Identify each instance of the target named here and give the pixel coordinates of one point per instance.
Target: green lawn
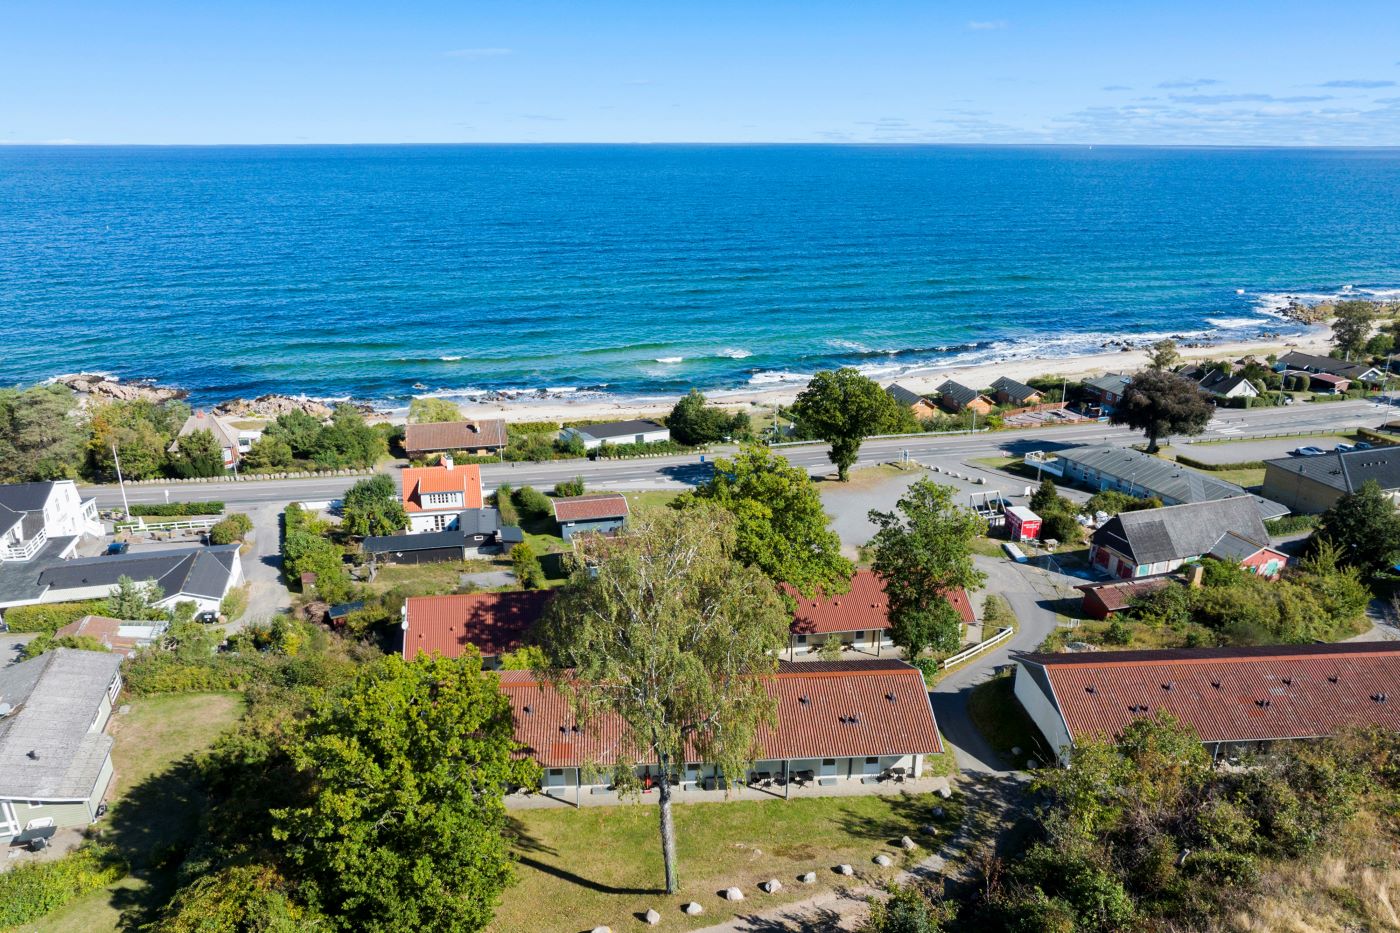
(649, 500)
(997, 714)
(602, 865)
(155, 803)
(429, 579)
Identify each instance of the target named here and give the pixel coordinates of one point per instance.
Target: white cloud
(1182, 83)
(1357, 83)
(983, 25)
(478, 53)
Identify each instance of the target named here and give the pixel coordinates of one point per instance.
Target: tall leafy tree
(780, 526)
(1161, 404)
(132, 600)
(373, 507)
(298, 430)
(268, 453)
(41, 434)
(1363, 527)
(922, 551)
(1351, 328)
(405, 826)
(198, 454)
(1163, 355)
(693, 422)
(664, 630)
(842, 407)
(140, 432)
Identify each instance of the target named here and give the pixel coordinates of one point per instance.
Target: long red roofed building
(1236, 699)
(858, 617)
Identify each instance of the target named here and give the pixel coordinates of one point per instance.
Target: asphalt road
(684, 470)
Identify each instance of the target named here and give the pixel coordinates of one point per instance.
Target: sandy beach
(556, 408)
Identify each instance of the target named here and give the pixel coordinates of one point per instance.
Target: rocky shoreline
(101, 387)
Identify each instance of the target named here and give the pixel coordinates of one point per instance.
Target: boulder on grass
(772, 886)
(884, 861)
(733, 894)
(693, 909)
(602, 930)
(906, 843)
(945, 792)
(652, 917)
(845, 870)
(809, 878)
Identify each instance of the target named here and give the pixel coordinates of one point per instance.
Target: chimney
(1195, 575)
(447, 461)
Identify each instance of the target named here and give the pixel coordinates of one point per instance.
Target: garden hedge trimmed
(177, 509)
(50, 617)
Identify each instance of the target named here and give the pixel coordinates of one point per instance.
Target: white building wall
(1042, 711)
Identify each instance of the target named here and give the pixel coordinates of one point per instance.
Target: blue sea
(379, 273)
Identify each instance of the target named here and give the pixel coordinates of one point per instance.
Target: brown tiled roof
(417, 481)
(1116, 596)
(106, 630)
(584, 508)
(825, 710)
(454, 435)
(1230, 694)
(864, 607)
(493, 622)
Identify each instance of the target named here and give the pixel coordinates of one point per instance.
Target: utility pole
(126, 507)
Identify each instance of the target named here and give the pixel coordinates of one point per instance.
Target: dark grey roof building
(1314, 484)
(1011, 392)
(1180, 532)
(1104, 466)
(203, 575)
(474, 532)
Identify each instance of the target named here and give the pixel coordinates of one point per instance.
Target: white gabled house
(33, 514)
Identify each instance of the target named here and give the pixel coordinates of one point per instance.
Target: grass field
(154, 802)
(602, 865)
(430, 579)
(998, 715)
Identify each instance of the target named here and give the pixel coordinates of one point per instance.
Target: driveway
(1031, 593)
(262, 567)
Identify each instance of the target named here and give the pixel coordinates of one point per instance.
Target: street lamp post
(126, 507)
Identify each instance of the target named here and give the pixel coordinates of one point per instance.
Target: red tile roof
(493, 622)
(851, 708)
(586, 508)
(454, 435)
(1117, 596)
(864, 607)
(418, 481)
(1230, 694)
(106, 630)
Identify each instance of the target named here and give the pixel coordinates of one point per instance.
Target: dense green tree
(529, 573)
(132, 600)
(569, 487)
(306, 551)
(842, 407)
(405, 827)
(198, 454)
(250, 898)
(427, 410)
(503, 499)
(230, 528)
(298, 430)
(373, 507)
(1364, 527)
(780, 526)
(1161, 404)
(693, 423)
(140, 431)
(533, 504)
(1047, 498)
(1164, 355)
(1351, 326)
(41, 434)
(921, 552)
(46, 642)
(910, 908)
(266, 454)
(348, 441)
(673, 636)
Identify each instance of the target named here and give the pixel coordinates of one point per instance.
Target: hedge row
(153, 672)
(1291, 524)
(1376, 437)
(1217, 467)
(50, 617)
(28, 892)
(176, 509)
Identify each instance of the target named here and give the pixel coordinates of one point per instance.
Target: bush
(532, 503)
(996, 612)
(504, 504)
(46, 642)
(614, 451)
(1217, 467)
(51, 617)
(233, 528)
(569, 487)
(28, 892)
(1062, 527)
(528, 571)
(234, 603)
(1111, 502)
(177, 509)
(1291, 524)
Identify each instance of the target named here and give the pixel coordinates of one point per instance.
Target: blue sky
(1218, 72)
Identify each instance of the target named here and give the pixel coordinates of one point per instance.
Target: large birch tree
(664, 630)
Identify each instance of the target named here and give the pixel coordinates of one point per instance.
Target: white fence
(1002, 635)
(184, 524)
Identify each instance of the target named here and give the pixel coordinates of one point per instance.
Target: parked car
(1308, 452)
(207, 617)
(117, 547)
(1344, 448)
(1361, 445)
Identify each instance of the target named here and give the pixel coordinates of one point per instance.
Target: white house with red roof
(435, 497)
(858, 618)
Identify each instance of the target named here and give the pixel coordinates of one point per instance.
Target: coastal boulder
(106, 388)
